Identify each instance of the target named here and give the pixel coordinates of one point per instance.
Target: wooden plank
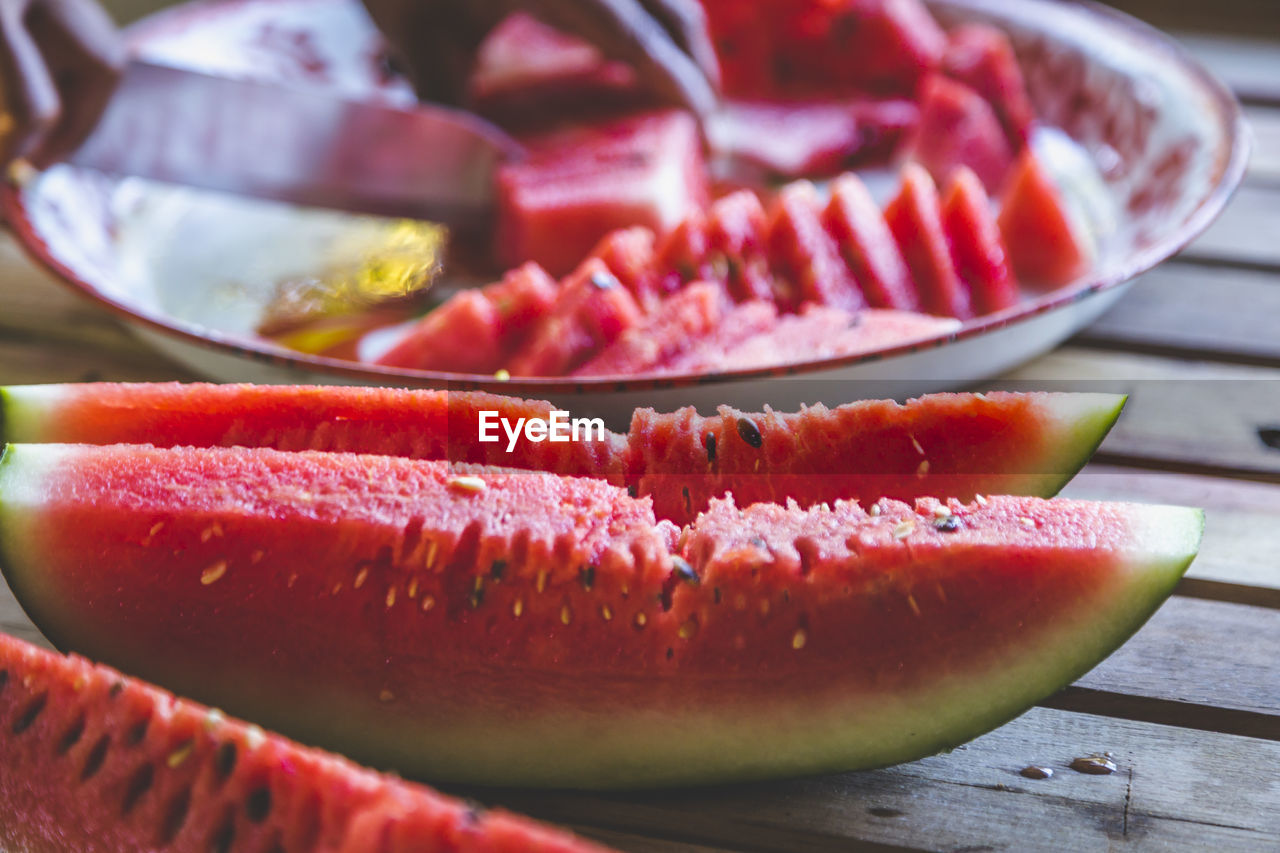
(1192, 416)
(1196, 311)
(25, 363)
(1247, 17)
(1207, 655)
(1168, 789)
(1264, 164)
(1246, 234)
(1250, 66)
(1237, 560)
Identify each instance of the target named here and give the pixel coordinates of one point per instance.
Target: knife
(306, 146)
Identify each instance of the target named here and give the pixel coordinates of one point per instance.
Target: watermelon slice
(490, 626)
(591, 310)
(1046, 245)
(868, 247)
(820, 332)
(959, 128)
(915, 219)
(992, 443)
(460, 336)
(799, 139)
(804, 256)
(982, 58)
(97, 762)
(584, 181)
(691, 314)
(976, 245)
(745, 321)
(735, 240)
(629, 255)
(466, 335)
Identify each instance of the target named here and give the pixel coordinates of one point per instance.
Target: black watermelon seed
(28, 717)
(140, 783)
(633, 490)
(948, 524)
(680, 568)
(750, 433)
(224, 837)
(116, 689)
(709, 442)
(258, 804)
(587, 575)
(688, 501)
(496, 570)
(670, 653)
(97, 755)
(71, 736)
(603, 280)
(4, 678)
(472, 814)
(224, 760)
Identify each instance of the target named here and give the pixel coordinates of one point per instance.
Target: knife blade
(305, 146)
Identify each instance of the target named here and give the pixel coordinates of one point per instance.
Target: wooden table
(1189, 709)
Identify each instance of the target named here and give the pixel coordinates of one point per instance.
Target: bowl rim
(1230, 174)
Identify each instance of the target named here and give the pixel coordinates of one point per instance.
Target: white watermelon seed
(213, 573)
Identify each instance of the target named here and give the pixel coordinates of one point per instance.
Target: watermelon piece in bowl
(982, 57)
(1047, 245)
(505, 627)
(98, 762)
(977, 246)
(868, 247)
(804, 257)
(958, 127)
(915, 219)
(583, 181)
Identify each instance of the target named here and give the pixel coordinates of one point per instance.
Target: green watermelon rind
(1092, 416)
(820, 730)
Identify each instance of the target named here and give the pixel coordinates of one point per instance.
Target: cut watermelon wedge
(804, 256)
(491, 626)
(973, 443)
(97, 762)
(958, 127)
(914, 216)
(976, 244)
(690, 315)
(1047, 246)
(868, 247)
(982, 57)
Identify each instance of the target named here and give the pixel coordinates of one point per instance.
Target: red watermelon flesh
(820, 332)
(630, 255)
(590, 312)
(584, 181)
(464, 335)
(867, 246)
(799, 139)
(947, 445)
(460, 336)
(679, 320)
(1011, 443)
(522, 628)
(683, 254)
(526, 72)
(97, 762)
(735, 239)
(707, 355)
(804, 256)
(1047, 247)
(959, 128)
(981, 57)
(976, 245)
(915, 220)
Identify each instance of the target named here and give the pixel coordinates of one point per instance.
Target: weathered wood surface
(1189, 708)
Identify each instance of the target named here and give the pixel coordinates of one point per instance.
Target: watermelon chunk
(991, 443)
(1046, 245)
(97, 762)
(522, 628)
(981, 57)
(680, 319)
(959, 128)
(591, 310)
(526, 71)
(735, 240)
(629, 254)
(466, 335)
(819, 332)
(915, 219)
(868, 247)
(584, 181)
(460, 336)
(800, 139)
(976, 245)
(708, 354)
(804, 256)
